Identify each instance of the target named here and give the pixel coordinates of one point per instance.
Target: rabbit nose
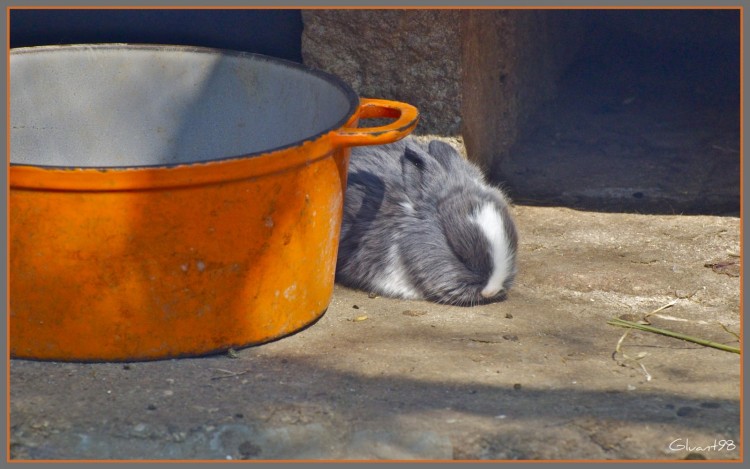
(490, 292)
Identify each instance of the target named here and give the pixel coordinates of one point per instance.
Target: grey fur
(406, 210)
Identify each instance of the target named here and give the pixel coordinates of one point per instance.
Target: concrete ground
(625, 203)
(534, 377)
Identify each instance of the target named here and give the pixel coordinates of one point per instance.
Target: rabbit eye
(472, 250)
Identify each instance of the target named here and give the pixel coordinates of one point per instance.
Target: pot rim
(347, 90)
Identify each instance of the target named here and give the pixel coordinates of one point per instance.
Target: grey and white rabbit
(422, 223)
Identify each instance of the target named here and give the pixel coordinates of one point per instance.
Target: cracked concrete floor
(533, 377)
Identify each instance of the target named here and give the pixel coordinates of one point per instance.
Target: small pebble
(508, 316)
(682, 294)
(517, 386)
(360, 318)
(372, 295)
(355, 306)
(151, 407)
(695, 456)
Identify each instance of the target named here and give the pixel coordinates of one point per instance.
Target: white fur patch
(408, 208)
(394, 280)
(491, 223)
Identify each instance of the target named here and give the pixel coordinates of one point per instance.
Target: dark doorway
(647, 119)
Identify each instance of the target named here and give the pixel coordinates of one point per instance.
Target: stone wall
(475, 75)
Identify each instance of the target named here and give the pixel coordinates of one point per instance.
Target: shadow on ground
(153, 409)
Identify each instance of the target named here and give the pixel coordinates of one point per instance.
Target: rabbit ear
(444, 153)
(416, 167)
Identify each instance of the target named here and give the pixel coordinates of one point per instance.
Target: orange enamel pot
(174, 201)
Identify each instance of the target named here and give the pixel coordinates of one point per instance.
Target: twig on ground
(676, 335)
(724, 149)
(228, 374)
(662, 308)
(644, 325)
(737, 336)
(628, 357)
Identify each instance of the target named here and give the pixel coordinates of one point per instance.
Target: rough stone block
(475, 75)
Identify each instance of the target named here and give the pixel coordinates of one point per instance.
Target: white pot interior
(124, 106)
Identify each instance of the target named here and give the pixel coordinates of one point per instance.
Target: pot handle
(406, 117)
